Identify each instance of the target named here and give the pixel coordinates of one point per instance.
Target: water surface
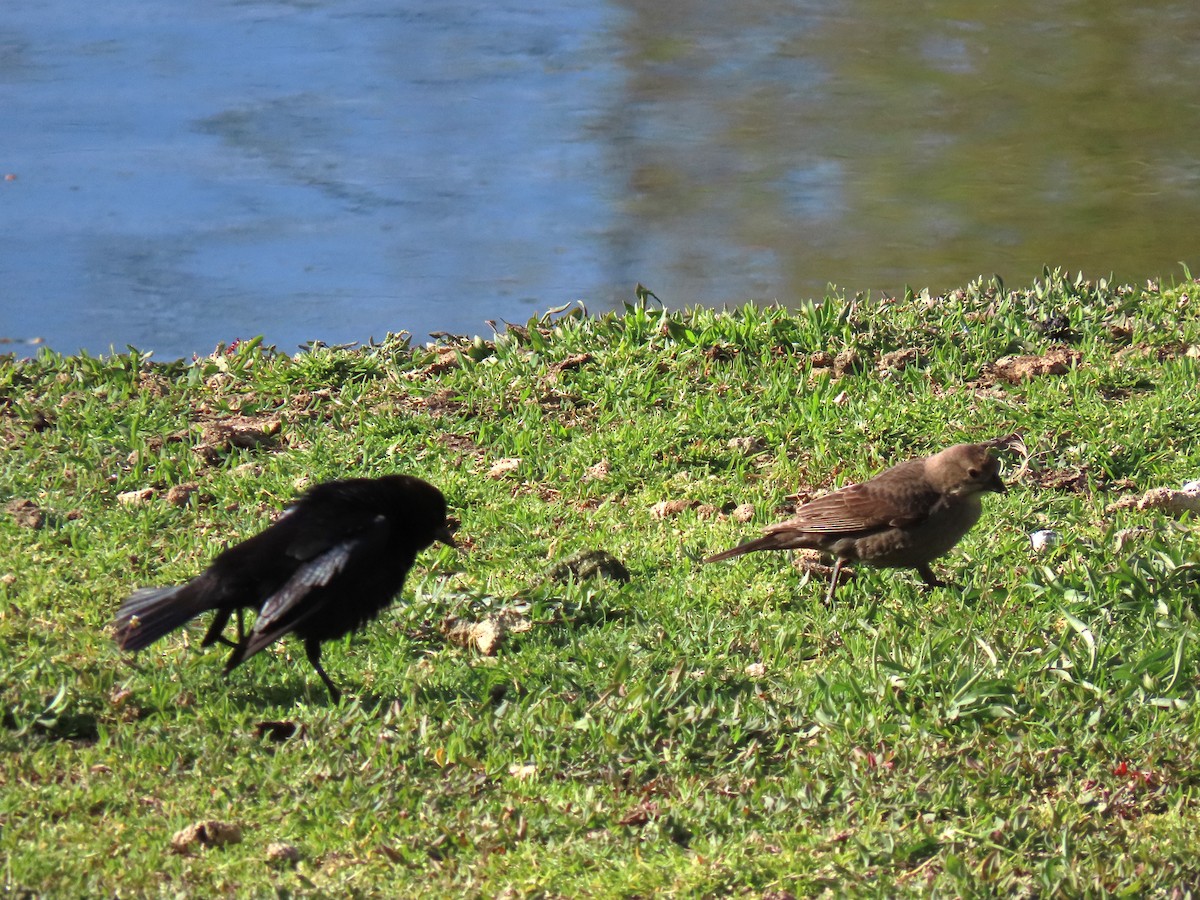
(183, 174)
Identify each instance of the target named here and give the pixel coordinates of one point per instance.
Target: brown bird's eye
(973, 472)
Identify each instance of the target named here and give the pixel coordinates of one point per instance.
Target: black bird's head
(422, 509)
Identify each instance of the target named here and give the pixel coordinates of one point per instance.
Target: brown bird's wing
(895, 499)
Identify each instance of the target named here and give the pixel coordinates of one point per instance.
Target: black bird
(329, 565)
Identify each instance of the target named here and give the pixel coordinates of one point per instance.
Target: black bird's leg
(833, 582)
(928, 577)
(313, 650)
(215, 635)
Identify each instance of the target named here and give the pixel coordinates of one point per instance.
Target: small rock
(756, 670)
(210, 833)
(136, 498)
(279, 852)
(743, 513)
(1043, 540)
(706, 511)
(180, 494)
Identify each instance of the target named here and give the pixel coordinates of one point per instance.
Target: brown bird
(902, 518)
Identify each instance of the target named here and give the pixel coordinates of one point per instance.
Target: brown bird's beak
(996, 485)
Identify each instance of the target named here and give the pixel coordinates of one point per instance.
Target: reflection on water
(335, 171)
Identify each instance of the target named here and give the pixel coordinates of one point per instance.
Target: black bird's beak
(445, 534)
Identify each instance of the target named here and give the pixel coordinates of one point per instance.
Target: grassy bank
(699, 730)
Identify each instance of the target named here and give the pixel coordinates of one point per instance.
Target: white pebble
(1043, 540)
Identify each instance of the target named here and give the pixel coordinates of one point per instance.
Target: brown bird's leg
(312, 648)
(928, 577)
(833, 582)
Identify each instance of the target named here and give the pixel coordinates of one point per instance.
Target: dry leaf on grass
(1166, 499)
(487, 634)
(506, 466)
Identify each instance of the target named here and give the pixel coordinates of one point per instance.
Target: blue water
(183, 174)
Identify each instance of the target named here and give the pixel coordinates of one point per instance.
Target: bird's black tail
(149, 613)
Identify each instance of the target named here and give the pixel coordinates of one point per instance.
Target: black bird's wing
(302, 597)
(317, 572)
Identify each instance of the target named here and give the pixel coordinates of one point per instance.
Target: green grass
(1031, 730)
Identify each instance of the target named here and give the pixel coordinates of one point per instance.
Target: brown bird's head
(965, 470)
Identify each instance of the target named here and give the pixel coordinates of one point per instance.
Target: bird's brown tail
(766, 542)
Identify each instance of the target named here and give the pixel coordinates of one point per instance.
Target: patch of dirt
(462, 445)
(209, 833)
(665, 509)
(742, 513)
(181, 494)
(848, 362)
(220, 436)
(1071, 481)
(822, 359)
(588, 564)
(814, 563)
(1017, 369)
(447, 359)
(278, 852)
(597, 472)
(898, 360)
(153, 384)
(26, 513)
(747, 446)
